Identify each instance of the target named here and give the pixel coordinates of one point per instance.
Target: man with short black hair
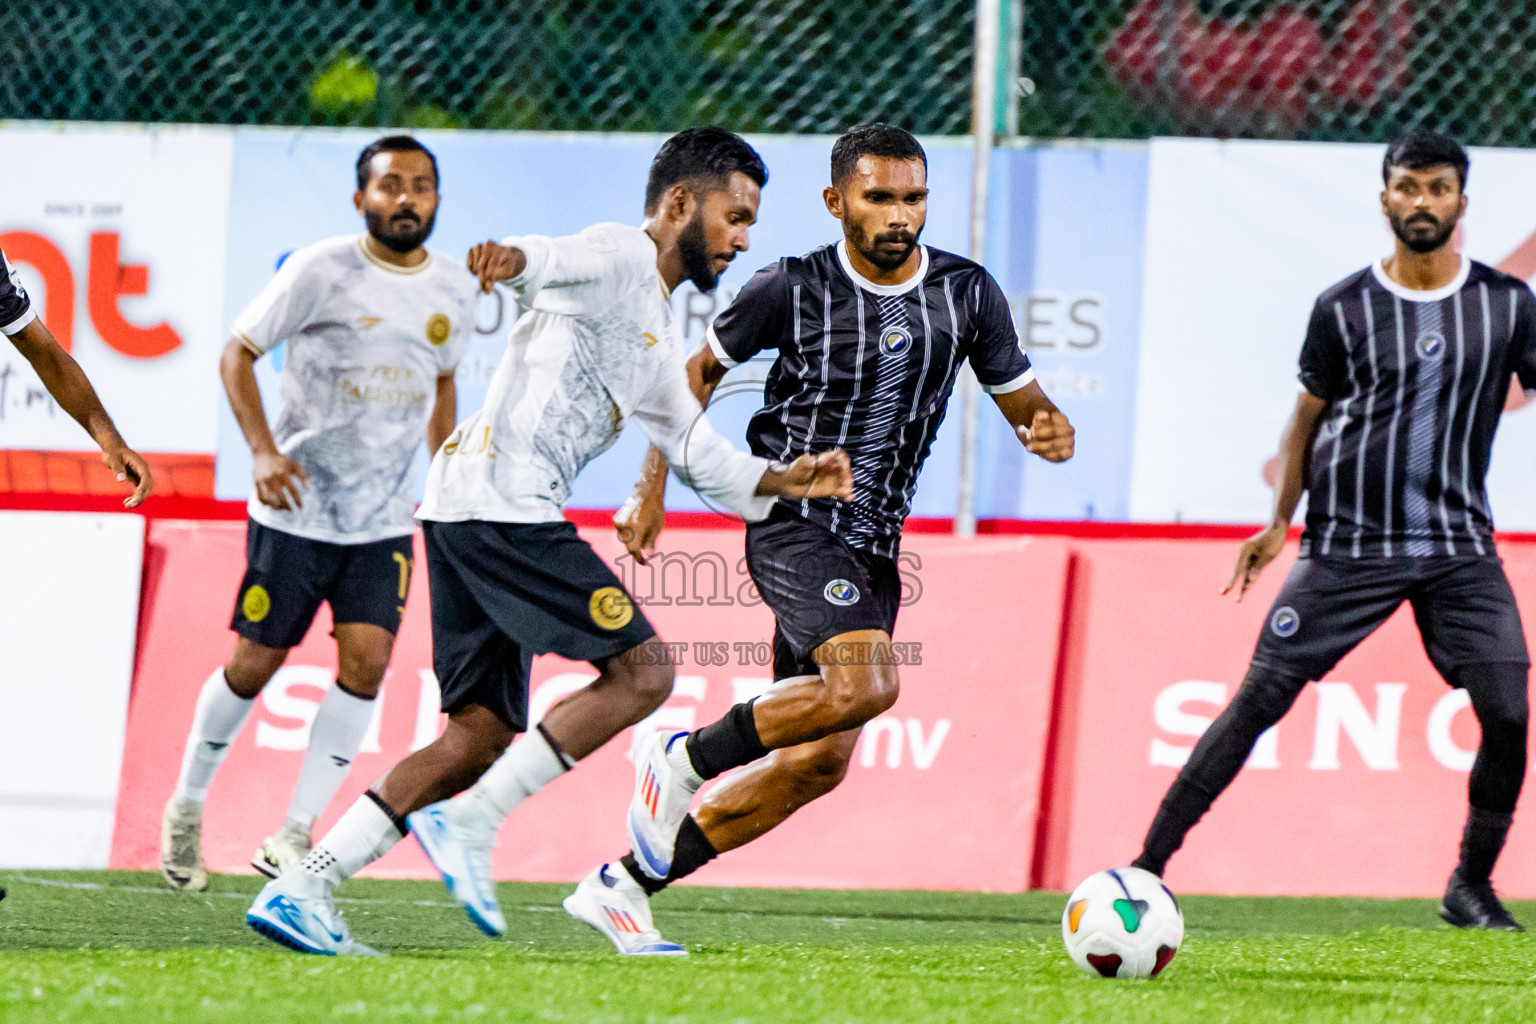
(1403, 372)
(870, 334)
(375, 325)
(510, 578)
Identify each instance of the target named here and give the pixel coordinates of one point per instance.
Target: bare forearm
(444, 415)
(67, 383)
(237, 370)
(704, 375)
(1295, 443)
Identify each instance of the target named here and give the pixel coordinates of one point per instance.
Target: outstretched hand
(1257, 552)
(129, 466)
(1049, 435)
(824, 475)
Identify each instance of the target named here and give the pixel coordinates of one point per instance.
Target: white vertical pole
(983, 135)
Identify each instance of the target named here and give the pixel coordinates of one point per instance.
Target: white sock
(363, 835)
(528, 766)
(219, 717)
(340, 725)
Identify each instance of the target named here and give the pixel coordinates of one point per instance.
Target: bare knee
(251, 667)
(854, 697)
(647, 673)
(362, 656)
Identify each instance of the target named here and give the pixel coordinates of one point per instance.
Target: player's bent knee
(853, 700)
(652, 684)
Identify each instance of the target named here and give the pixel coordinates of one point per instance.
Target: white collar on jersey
(1417, 295)
(882, 289)
(362, 244)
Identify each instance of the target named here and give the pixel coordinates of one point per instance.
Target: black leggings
(1498, 693)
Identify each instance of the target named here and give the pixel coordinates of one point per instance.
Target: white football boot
(613, 903)
(283, 849)
(181, 846)
(296, 911)
(459, 845)
(664, 786)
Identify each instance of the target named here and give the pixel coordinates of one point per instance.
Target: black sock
(1481, 842)
(691, 852)
(729, 743)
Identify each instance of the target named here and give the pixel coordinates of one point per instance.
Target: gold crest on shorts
(438, 328)
(611, 608)
(256, 603)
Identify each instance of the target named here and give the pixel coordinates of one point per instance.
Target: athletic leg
(337, 732)
(297, 909)
(1499, 700)
(1470, 624)
(1262, 700)
(802, 709)
(752, 802)
(629, 687)
(223, 706)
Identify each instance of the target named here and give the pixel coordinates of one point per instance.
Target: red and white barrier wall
(1054, 684)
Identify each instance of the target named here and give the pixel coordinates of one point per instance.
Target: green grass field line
(98, 946)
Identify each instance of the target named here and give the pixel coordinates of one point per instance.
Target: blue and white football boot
(459, 845)
(664, 786)
(613, 903)
(296, 910)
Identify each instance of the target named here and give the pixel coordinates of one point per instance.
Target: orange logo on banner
(107, 282)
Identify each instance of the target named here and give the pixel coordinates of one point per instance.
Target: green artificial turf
(98, 946)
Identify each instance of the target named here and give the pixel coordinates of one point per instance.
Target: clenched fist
(1049, 435)
(492, 262)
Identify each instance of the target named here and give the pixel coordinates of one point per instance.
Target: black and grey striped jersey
(1415, 382)
(15, 308)
(868, 368)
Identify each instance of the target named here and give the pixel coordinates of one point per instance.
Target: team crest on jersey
(611, 608)
(438, 328)
(895, 340)
(1432, 345)
(1285, 622)
(841, 593)
(256, 603)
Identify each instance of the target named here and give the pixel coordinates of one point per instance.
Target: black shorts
(1464, 608)
(818, 585)
(287, 576)
(504, 592)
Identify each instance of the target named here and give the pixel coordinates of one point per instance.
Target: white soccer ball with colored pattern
(1123, 923)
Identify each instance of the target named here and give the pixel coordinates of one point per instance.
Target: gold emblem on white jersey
(438, 328)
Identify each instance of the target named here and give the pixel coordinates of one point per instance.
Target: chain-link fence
(1320, 69)
(1312, 69)
(609, 65)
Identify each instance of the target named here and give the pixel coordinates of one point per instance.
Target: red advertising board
(942, 793)
(1360, 791)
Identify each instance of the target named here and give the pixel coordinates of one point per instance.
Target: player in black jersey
(1405, 368)
(870, 334)
(67, 383)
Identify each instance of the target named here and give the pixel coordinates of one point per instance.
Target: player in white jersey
(510, 579)
(375, 326)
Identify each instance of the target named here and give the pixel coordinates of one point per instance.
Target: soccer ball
(1123, 923)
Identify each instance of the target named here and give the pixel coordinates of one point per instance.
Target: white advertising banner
(1241, 237)
(66, 664)
(119, 234)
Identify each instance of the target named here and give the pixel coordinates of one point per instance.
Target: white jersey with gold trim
(366, 343)
(595, 346)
